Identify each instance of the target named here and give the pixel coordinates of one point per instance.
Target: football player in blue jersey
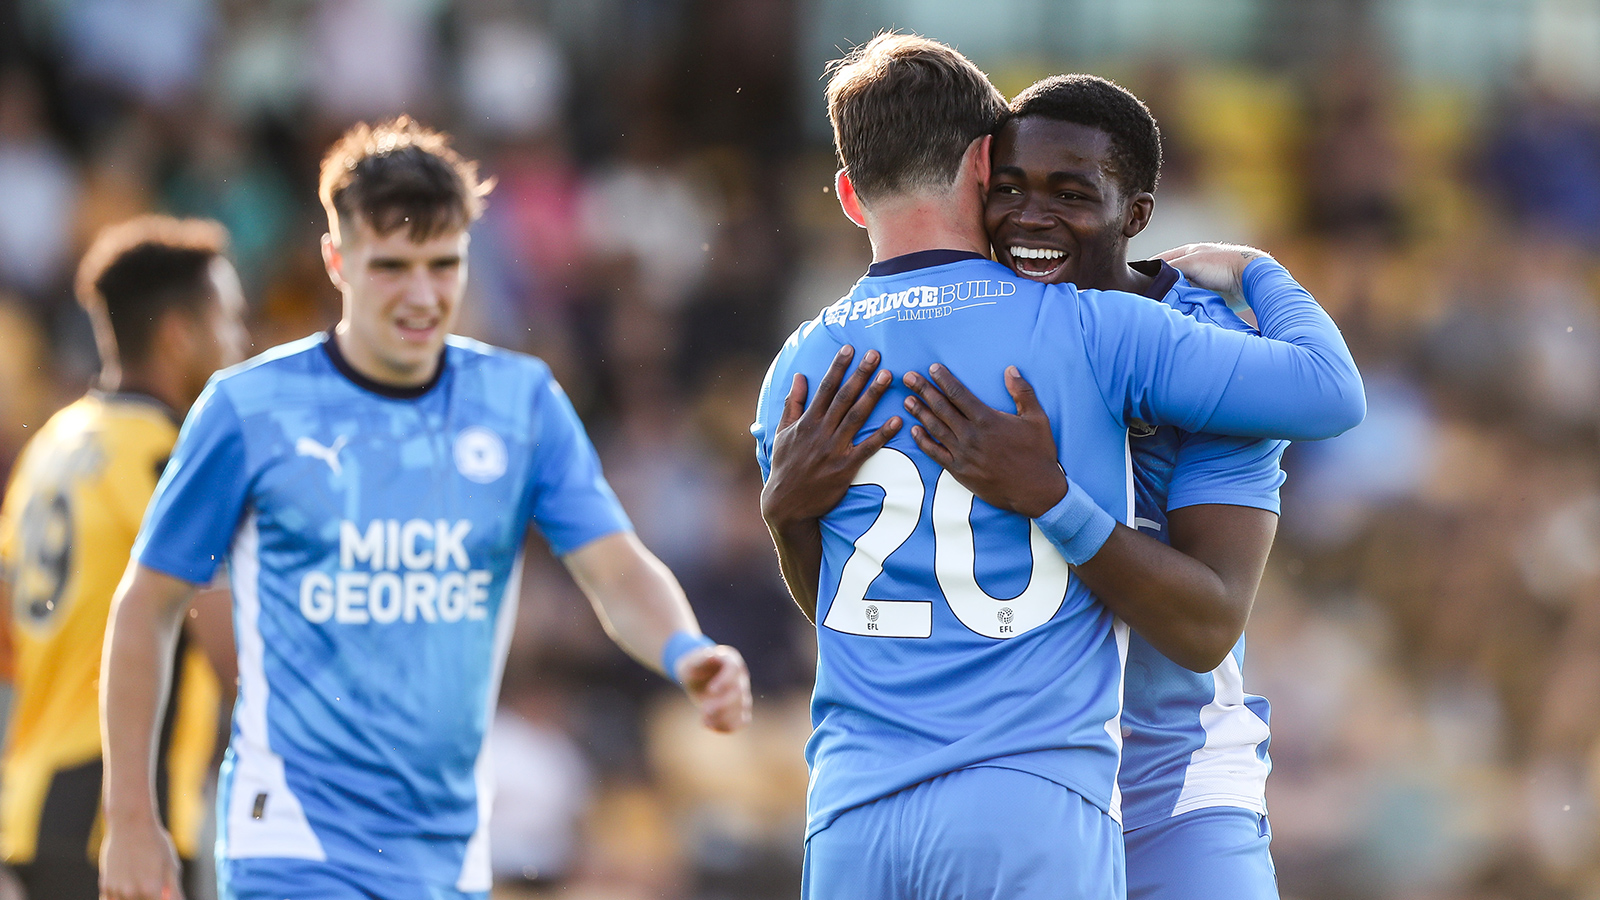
(1075, 169)
(371, 490)
(968, 695)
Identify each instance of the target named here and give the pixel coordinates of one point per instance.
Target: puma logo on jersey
(330, 455)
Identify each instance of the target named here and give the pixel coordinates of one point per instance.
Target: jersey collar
(335, 356)
(139, 398)
(922, 259)
(1166, 277)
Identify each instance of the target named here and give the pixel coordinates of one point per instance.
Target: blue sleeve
(1213, 468)
(1295, 381)
(572, 503)
(197, 505)
(1302, 372)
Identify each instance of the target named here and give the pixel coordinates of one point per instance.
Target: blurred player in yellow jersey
(166, 308)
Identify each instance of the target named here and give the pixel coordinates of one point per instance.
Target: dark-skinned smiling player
(1073, 179)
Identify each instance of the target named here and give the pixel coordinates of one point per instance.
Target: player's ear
(177, 332)
(977, 161)
(333, 261)
(1140, 208)
(849, 201)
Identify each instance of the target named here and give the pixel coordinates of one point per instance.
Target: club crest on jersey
(480, 455)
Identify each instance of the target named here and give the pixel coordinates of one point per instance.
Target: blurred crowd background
(1429, 628)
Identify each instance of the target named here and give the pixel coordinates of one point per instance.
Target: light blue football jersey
(951, 633)
(1192, 740)
(374, 545)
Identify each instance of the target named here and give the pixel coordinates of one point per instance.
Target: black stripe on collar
(1166, 277)
(330, 346)
(922, 259)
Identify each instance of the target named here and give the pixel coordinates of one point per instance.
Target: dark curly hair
(1095, 102)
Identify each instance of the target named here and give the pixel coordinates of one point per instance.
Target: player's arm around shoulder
(137, 858)
(645, 611)
(1179, 603)
(1313, 387)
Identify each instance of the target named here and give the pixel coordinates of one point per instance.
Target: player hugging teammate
(975, 734)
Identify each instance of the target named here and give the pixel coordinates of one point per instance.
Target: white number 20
(954, 563)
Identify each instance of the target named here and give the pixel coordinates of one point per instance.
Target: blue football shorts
(1220, 853)
(983, 833)
(306, 879)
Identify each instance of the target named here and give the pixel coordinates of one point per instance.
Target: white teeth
(1035, 253)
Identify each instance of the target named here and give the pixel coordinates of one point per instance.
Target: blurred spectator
(1354, 172)
(1337, 482)
(513, 75)
(372, 58)
(222, 177)
(645, 209)
(40, 187)
(261, 69)
(1542, 161)
(671, 489)
(543, 782)
(154, 51)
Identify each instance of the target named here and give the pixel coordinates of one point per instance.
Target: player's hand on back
(718, 682)
(814, 453)
(1009, 461)
(138, 862)
(1218, 268)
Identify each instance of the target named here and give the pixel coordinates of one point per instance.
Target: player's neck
(368, 369)
(152, 381)
(1123, 277)
(908, 225)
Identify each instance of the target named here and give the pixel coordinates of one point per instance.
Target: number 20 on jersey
(954, 563)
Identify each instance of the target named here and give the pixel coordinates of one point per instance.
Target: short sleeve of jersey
(572, 503)
(1226, 470)
(201, 495)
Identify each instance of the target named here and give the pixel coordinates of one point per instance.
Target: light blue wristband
(681, 643)
(1077, 526)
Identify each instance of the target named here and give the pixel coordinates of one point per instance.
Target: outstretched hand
(814, 454)
(1008, 461)
(1218, 268)
(718, 682)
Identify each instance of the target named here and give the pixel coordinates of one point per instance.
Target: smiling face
(1055, 210)
(401, 298)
